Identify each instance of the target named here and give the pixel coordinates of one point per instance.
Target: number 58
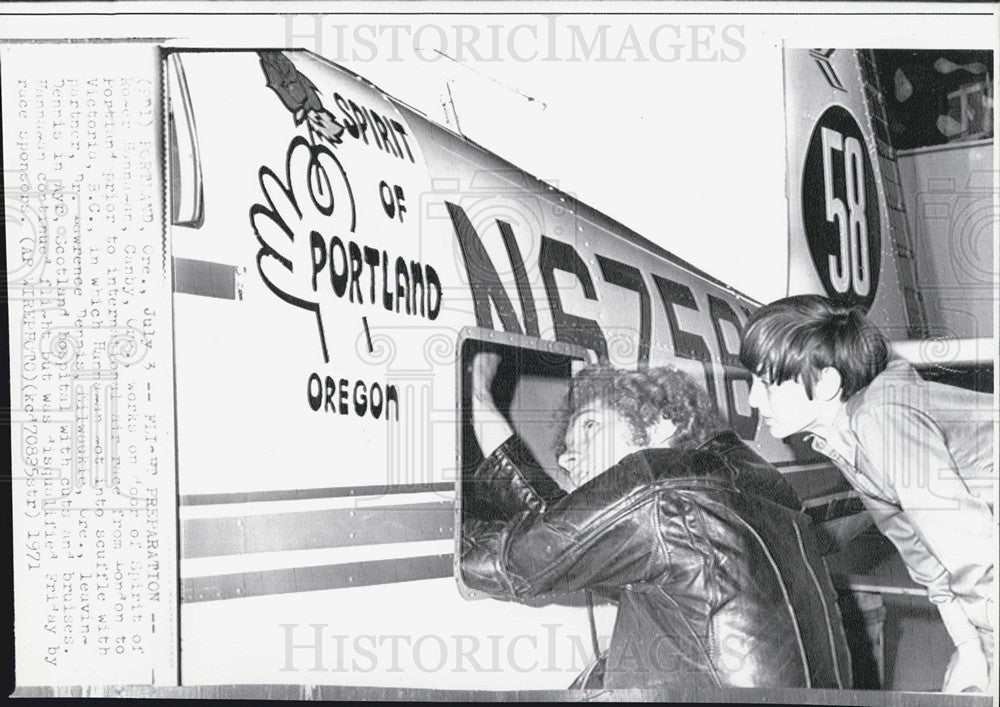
(851, 268)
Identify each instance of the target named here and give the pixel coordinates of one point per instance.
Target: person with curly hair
(661, 403)
(716, 571)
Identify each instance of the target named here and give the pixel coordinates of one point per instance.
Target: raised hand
(490, 426)
(484, 370)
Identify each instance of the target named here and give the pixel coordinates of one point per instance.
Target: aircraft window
(529, 389)
(934, 97)
(186, 188)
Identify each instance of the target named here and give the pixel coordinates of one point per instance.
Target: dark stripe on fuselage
(819, 482)
(205, 279)
(312, 530)
(310, 579)
(209, 499)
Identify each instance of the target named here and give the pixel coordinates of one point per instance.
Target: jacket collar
(721, 443)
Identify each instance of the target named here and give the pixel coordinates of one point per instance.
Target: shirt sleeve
(942, 530)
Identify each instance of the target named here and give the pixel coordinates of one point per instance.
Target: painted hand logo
(311, 205)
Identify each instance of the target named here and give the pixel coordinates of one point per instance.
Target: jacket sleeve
(942, 531)
(603, 534)
(509, 482)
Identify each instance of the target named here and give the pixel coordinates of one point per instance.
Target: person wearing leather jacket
(716, 571)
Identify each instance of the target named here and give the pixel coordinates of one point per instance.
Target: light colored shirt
(924, 467)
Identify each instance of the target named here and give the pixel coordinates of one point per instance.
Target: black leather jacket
(716, 571)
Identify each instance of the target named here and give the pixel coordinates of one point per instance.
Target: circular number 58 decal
(840, 209)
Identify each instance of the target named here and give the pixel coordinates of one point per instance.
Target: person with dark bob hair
(716, 571)
(798, 337)
(919, 454)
